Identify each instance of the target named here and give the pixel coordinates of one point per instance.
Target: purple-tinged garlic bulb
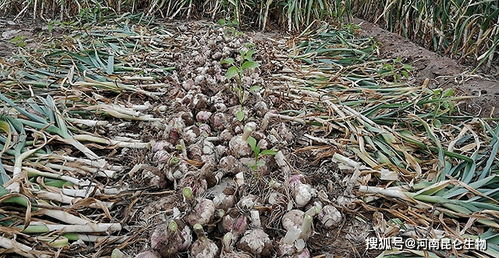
(216, 56)
(218, 121)
(187, 98)
(230, 165)
(255, 241)
(305, 253)
(248, 202)
(203, 116)
(199, 79)
(148, 254)
(303, 193)
(263, 144)
(208, 171)
(197, 183)
(178, 124)
(186, 235)
(261, 108)
(153, 178)
(220, 150)
(293, 219)
(171, 135)
(238, 145)
(188, 84)
(200, 102)
(191, 134)
(296, 249)
(205, 129)
(217, 98)
(187, 117)
(224, 194)
(228, 242)
(224, 201)
(235, 223)
(168, 239)
(208, 148)
(220, 107)
(226, 135)
(203, 247)
(161, 145)
(195, 151)
(298, 225)
(161, 157)
(329, 216)
(201, 214)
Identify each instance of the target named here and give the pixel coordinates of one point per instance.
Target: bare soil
(17, 33)
(442, 71)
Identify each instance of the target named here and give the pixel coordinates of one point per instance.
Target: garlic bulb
(293, 219)
(168, 239)
(148, 254)
(303, 193)
(255, 241)
(329, 216)
(238, 145)
(203, 247)
(202, 213)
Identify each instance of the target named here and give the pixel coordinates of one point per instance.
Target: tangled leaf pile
(411, 143)
(191, 138)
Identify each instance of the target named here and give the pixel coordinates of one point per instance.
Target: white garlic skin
(330, 216)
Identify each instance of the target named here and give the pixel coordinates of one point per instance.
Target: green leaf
(240, 115)
(110, 65)
(19, 41)
(408, 67)
(249, 65)
(227, 61)
(232, 72)
(22, 111)
(248, 55)
(268, 152)
(256, 151)
(222, 22)
(5, 127)
(3, 176)
(252, 143)
(448, 93)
